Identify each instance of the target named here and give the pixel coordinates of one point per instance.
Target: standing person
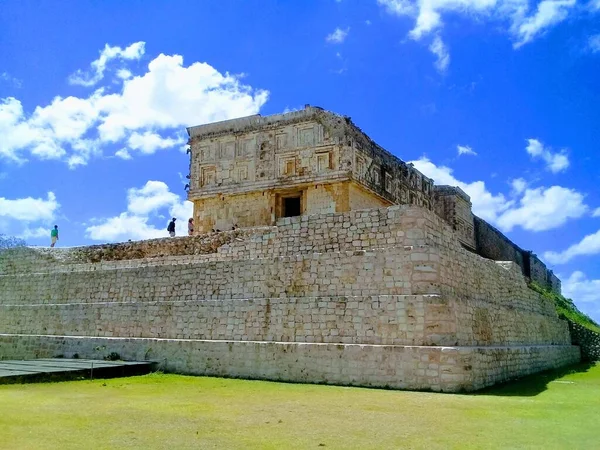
(54, 235)
(171, 227)
(190, 226)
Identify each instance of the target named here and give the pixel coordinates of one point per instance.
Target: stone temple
(318, 257)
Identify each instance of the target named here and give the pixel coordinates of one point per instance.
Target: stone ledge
(260, 300)
(215, 258)
(443, 369)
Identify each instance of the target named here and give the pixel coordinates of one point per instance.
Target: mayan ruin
(318, 257)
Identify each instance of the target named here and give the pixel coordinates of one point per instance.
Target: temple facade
(254, 170)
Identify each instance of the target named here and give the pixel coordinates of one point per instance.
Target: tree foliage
(566, 309)
(11, 242)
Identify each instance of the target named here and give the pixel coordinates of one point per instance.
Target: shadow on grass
(535, 384)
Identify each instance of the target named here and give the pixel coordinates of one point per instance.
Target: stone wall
(538, 271)
(360, 198)
(454, 206)
(492, 244)
(588, 341)
(445, 369)
(391, 288)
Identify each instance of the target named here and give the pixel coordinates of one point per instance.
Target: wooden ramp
(58, 369)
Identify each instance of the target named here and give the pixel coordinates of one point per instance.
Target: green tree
(10, 242)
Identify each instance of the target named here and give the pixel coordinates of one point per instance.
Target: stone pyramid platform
(383, 298)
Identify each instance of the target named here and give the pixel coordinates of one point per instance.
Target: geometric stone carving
(208, 176)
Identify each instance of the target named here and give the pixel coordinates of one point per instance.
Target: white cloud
(35, 233)
(133, 52)
(153, 196)
(145, 205)
(123, 154)
(28, 217)
(519, 185)
(29, 209)
(589, 245)
(585, 292)
(465, 150)
(524, 22)
(548, 13)
(485, 204)
(123, 227)
(555, 162)
(149, 142)
(124, 74)
(536, 209)
(164, 99)
(580, 288)
(439, 49)
(596, 213)
(594, 41)
(400, 7)
(543, 209)
(338, 36)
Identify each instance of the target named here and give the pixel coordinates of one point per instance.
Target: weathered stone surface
(243, 170)
(384, 297)
(252, 171)
(441, 369)
(588, 341)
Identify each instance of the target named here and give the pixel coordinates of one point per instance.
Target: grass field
(553, 410)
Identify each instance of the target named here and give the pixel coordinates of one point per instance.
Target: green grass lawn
(557, 410)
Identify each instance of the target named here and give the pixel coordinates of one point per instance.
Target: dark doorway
(291, 206)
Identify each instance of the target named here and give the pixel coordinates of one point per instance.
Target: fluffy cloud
(555, 162)
(518, 185)
(543, 209)
(29, 209)
(536, 209)
(525, 21)
(144, 205)
(465, 150)
(596, 213)
(146, 112)
(485, 204)
(439, 49)
(338, 36)
(584, 291)
(123, 227)
(149, 142)
(28, 217)
(589, 245)
(35, 233)
(133, 52)
(152, 197)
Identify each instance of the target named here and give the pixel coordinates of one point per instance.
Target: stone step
(389, 271)
(58, 267)
(437, 368)
(393, 319)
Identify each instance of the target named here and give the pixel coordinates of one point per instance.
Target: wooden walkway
(12, 371)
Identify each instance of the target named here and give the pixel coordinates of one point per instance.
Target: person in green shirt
(54, 235)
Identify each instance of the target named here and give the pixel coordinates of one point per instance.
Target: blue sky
(501, 97)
